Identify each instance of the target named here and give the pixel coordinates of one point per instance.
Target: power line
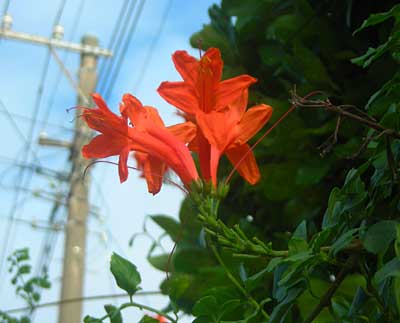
(59, 12)
(152, 46)
(124, 10)
(14, 116)
(125, 47)
(6, 6)
(49, 241)
(17, 129)
(121, 32)
(69, 76)
(22, 180)
(75, 25)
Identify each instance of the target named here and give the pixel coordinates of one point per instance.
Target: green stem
(142, 307)
(234, 280)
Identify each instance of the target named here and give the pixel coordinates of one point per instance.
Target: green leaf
(397, 242)
(390, 269)
(205, 306)
(378, 18)
(343, 241)
(25, 269)
(312, 67)
(396, 287)
(169, 224)
(22, 254)
(114, 313)
(297, 245)
(359, 299)
(373, 54)
(177, 285)
(320, 239)
(148, 319)
(24, 319)
(228, 307)
(281, 309)
(379, 236)
(190, 260)
(91, 319)
(311, 173)
(284, 27)
(160, 262)
(301, 231)
(125, 274)
(279, 175)
(254, 281)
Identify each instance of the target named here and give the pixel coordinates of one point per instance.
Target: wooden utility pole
(78, 204)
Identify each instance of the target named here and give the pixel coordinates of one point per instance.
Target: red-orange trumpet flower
(228, 131)
(218, 107)
(147, 135)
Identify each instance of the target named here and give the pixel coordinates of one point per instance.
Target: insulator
(58, 32)
(6, 22)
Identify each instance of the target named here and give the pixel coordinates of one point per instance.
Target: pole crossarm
(55, 43)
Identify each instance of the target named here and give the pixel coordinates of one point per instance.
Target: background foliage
(315, 192)
(318, 240)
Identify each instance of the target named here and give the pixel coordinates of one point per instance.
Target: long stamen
(293, 107)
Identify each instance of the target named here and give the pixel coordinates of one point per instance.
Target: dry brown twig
(343, 112)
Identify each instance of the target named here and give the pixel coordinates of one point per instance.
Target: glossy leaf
(169, 224)
(379, 236)
(125, 273)
(113, 313)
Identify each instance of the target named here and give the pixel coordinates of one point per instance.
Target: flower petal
(218, 127)
(180, 95)
(215, 156)
(204, 151)
(99, 101)
(123, 164)
(232, 89)
(101, 146)
(253, 120)
(185, 132)
(133, 109)
(186, 65)
(212, 60)
(247, 166)
(154, 170)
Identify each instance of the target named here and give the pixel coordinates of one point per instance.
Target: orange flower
(218, 107)
(114, 139)
(147, 135)
(228, 132)
(153, 168)
(202, 91)
(202, 88)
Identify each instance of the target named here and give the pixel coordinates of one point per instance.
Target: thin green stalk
(235, 281)
(142, 307)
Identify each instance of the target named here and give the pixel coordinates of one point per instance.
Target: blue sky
(120, 209)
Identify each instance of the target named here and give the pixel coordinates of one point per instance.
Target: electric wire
(75, 24)
(6, 7)
(49, 241)
(124, 10)
(150, 52)
(105, 73)
(12, 115)
(22, 180)
(131, 32)
(17, 129)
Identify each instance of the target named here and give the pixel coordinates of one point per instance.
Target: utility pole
(78, 203)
